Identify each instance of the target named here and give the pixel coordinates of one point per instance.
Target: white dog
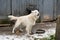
(28, 21)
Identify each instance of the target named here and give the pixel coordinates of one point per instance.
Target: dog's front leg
(28, 29)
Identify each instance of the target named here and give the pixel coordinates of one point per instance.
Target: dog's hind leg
(16, 25)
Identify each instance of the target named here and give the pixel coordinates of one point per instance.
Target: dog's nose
(38, 14)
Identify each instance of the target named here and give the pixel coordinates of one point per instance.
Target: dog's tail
(11, 17)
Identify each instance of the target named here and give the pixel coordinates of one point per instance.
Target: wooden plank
(58, 20)
(4, 25)
(58, 29)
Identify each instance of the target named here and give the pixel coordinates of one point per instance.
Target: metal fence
(18, 7)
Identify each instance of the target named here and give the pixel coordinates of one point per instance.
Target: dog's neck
(33, 17)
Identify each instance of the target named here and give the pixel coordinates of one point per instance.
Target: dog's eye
(35, 12)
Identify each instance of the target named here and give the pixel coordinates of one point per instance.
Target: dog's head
(35, 13)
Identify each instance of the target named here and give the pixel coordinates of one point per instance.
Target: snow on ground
(46, 34)
(25, 37)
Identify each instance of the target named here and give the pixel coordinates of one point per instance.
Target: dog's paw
(31, 33)
(12, 31)
(21, 30)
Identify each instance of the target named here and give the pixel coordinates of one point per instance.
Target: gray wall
(21, 5)
(4, 8)
(49, 8)
(58, 7)
(46, 7)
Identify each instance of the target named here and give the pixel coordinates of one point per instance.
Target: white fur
(12, 17)
(28, 21)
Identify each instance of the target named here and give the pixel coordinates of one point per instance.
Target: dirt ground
(45, 26)
(6, 34)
